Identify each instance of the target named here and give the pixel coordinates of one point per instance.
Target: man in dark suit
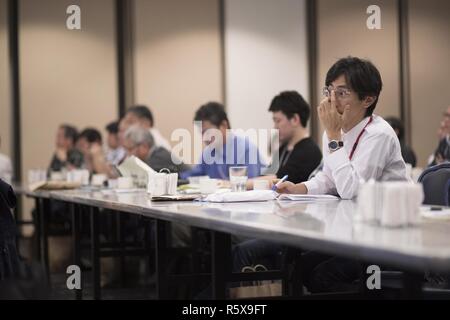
(139, 142)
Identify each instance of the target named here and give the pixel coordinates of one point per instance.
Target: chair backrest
(435, 181)
(447, 188)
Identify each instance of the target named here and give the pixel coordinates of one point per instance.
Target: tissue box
(162, 184)
(390, 204)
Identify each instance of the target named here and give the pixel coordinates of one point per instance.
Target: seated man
(219, 140)
(142, 116)
(66, 156)
(89, 142)
(115, 153)
(299, 155)
(442, 153)
(407, 153)
(139, 142)
(358, 145)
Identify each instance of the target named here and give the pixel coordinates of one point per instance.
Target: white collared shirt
(377, 156)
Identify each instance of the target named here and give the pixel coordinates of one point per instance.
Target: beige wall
(342, 31)
(5, 114)
(265, 53)
(429, 23)
(66, 76)
(177, 59)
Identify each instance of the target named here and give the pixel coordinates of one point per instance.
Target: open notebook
(307, 197)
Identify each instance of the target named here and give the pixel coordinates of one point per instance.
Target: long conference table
(329, 227)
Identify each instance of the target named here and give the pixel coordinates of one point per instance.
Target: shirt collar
(355, 131)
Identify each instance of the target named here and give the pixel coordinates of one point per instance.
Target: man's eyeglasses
(340, 92)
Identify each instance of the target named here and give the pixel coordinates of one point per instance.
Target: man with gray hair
(139, 142)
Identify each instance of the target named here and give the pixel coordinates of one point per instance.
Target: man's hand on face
(61, 154)
(330, 118)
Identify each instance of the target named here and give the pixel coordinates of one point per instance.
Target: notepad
(307, 197)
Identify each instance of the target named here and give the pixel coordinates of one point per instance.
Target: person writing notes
(357, 144)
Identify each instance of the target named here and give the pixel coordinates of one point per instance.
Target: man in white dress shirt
(357, 145)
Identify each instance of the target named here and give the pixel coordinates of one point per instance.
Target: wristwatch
(334, 145)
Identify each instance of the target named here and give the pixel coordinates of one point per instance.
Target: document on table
(177, 197)
(246, 196)
(307, 197)
(435, 212)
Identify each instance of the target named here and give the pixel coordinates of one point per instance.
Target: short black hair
(91, 135)
(70, 132)
(113, 127)
(291, 103)
(213, 112)
(361, 75)
(396, 124)
(142, 112)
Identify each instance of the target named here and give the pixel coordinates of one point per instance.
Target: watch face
(333, 145)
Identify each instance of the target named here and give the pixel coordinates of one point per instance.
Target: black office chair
(436, 187)
(436, 183)
(448, 193)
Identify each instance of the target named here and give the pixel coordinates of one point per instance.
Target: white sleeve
(369, 161)
(322, 183)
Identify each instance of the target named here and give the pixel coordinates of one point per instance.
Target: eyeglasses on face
(339, 91)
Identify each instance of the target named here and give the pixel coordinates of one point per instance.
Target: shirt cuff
(337, 160)
(312, 187)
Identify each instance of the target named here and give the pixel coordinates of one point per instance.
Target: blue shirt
(237, 151)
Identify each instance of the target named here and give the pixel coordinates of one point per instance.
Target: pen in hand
(275, 186)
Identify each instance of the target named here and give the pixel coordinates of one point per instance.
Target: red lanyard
(359, 137)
